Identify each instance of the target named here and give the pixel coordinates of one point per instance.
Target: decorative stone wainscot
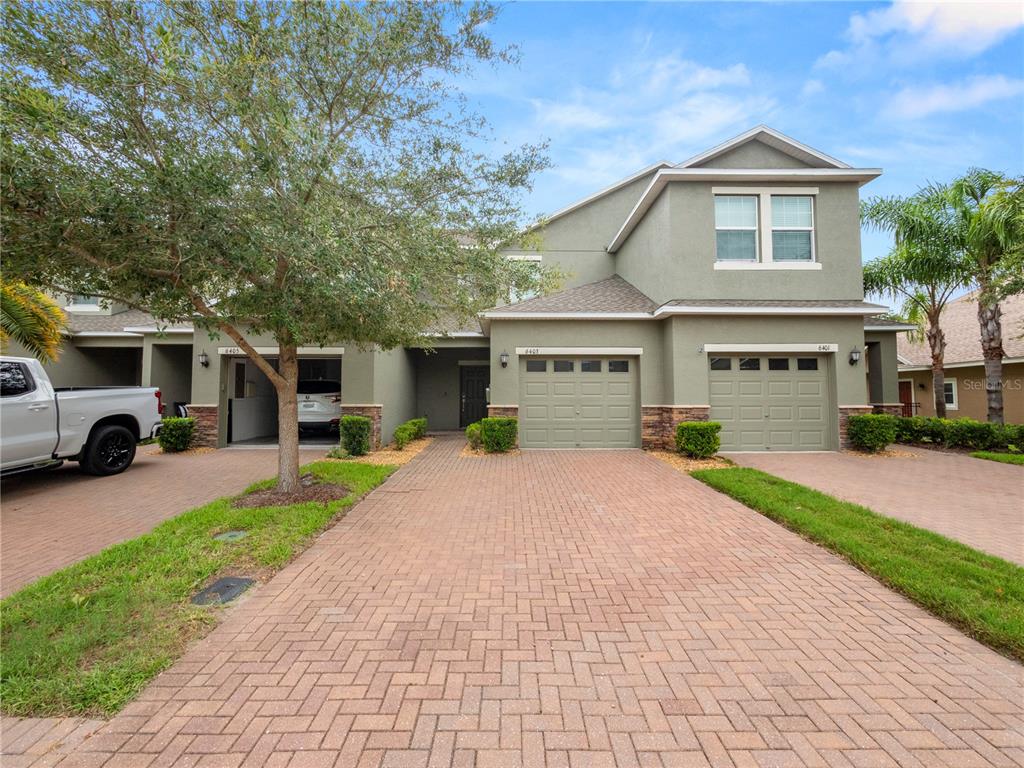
(845, 412)
(658, 423)
(503, 411)
(205, 435)
(373, 413)
(893, 409)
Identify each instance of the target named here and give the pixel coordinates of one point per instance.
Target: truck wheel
(110, 451)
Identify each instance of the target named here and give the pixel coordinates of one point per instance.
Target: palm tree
(924, 269)
(31, 319)
(988, 210)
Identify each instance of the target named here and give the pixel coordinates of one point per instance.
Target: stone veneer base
(207, 426)
(503, 411)
(893, 409)
(845, 412)
(373, 413)
(658, 423)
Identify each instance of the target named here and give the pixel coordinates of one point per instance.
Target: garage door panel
(586, 409)
(783, 409)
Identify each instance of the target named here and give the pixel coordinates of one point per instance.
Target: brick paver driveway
(974, 501)
(570, 609)
(52, 519)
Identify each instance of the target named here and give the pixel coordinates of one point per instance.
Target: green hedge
(176, 434)
(871, 432)
(411, 430)
(474, 435)
(498, 434)
(959, 433)
(698, 439)
(355, 434)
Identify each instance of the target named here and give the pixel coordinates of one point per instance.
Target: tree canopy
(306, 170)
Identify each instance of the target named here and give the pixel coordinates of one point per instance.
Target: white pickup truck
(98, 427)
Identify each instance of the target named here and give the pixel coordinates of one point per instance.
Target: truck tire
(110, 450)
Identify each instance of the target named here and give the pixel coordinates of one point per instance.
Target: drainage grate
(222, 590)
(231, 535)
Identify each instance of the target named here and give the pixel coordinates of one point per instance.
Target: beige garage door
(771, 402)
(578, 402)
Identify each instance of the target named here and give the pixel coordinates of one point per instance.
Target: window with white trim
(736, 227)
(769, 227)
(792, 228)
(950, 395)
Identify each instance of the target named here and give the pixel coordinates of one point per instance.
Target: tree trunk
(937, 345)
(288, 419)
(989, 315)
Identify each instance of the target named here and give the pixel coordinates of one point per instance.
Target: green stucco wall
(93, 366)
(883, 368)
(394, 386)
(753, 154)
(169, 367)
(438, 384)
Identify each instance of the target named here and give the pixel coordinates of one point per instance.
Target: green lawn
(1005, 458)
(981, 594)
(86, 639)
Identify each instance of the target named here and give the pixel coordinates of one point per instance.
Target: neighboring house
(963, 366)
(726, 287)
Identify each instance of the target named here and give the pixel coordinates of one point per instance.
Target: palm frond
(31, 319)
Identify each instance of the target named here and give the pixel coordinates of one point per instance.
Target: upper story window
(764, 228)
(736, 227)
(80, 301)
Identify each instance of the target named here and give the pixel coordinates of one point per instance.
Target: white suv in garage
(319, 403)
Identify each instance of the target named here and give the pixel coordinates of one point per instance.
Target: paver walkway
(50, 520)
(569, 609)
(980, 503)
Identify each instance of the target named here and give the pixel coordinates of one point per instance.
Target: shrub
(921, 429)
(968, 433)
(871, 432)
(498, 434)
(337, 452)
(404, 434)
(419, 427)
(698, 439)
(355, 434)
(474, 435)
(176, 433)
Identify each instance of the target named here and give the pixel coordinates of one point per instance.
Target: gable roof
(773, 139)
(959, 322)
(612, 296)
(604, 191)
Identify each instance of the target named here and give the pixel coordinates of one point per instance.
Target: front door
(907, 397)
(473, 383)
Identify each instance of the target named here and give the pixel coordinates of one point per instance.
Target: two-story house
(727, 287)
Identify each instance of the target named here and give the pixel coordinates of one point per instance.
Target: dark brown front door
(907, 397)
(473, 383)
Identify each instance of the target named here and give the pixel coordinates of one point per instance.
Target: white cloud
(812, 88)
(914, 103)
(910, 29)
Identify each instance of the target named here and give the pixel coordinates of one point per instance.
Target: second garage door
(771, 402)
(578, 402)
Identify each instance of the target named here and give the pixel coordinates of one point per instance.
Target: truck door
(28, 418)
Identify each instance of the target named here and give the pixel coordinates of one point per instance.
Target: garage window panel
(590, 366)
(721, 363)
(564, 366)
(618, 366)
(807, 363)
(778, 363)
(536, 366)
(750, 364)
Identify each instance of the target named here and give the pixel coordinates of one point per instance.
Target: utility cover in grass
(231, 535)
(223, 590)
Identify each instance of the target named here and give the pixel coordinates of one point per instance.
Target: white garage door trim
(819, 348)
(579, 350)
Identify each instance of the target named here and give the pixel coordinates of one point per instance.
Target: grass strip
(1005, 458)
(981, 594)
(86, 639)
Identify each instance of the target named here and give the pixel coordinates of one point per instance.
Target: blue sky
(922, 90)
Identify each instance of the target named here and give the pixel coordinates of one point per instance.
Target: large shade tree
(301, 170)
(924, 269)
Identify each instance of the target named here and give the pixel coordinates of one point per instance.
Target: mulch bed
(686, 464)
(310, 490)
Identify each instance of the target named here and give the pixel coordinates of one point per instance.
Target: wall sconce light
(503, 358)
(854, 356)
(204, 359)
(922, 385)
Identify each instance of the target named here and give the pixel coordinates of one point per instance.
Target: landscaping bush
(698, 439)
(968, 433)
(474, 435)
(419, 427)
(498, 434)
(871, 432)
(176, 434)
(355, 434)
(338, 452)
(404, 434)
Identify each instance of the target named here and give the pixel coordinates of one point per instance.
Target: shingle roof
(959, 322)
(611, 295)
(96, 322)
